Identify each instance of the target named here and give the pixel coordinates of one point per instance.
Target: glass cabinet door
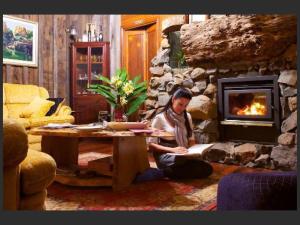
(96, 63)
(81, 68)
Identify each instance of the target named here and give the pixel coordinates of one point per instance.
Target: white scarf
(180, 128)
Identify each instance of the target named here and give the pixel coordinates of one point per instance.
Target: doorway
(139, 47)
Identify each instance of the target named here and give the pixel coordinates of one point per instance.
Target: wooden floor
(106, 147)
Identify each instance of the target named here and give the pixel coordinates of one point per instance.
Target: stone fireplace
(248, 108)
(242, 72)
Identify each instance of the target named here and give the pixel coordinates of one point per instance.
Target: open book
(195, 150)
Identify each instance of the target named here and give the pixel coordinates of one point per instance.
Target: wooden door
(139, 48)
(134, 57)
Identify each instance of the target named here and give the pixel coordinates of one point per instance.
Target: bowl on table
(126, 125)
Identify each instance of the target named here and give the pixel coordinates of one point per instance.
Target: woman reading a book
(175, 119)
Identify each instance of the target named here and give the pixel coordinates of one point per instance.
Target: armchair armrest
(15, 143)
(64, 111)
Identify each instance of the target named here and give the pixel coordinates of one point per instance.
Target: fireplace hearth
(248, 108)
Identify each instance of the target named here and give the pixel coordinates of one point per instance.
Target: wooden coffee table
(129, 156)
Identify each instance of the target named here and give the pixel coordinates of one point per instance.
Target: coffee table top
(72, 132)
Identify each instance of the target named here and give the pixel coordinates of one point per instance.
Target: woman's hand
(146, 122)
(180, 150)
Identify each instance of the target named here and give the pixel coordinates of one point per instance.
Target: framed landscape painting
(20, 41)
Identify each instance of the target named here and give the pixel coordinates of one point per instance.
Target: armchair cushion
(41, 121)
(37, 108)
(20, 93)
(58, 102)
(37, 172)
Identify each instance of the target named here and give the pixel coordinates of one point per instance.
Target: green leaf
(141, 90)
(108, 88)
(105, 79)
(136, 104)
(144, 83)
(93, 86)
(136, 79)
(108, 95)
(123, 75)
(107, 92)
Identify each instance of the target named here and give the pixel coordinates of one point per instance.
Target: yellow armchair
(16, 97)
(26, 173)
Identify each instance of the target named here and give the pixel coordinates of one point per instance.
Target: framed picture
(20, 41)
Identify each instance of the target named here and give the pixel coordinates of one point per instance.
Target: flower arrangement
(120, 92)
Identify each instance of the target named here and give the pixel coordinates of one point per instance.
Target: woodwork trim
(134, 21)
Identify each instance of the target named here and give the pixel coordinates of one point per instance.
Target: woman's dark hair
(181, 93)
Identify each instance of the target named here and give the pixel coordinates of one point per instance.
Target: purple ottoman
(258, 191)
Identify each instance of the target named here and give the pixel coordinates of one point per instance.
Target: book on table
(195, 151)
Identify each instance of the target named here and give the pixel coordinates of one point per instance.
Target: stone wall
(202, 82)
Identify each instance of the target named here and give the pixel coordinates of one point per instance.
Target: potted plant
(125, 96)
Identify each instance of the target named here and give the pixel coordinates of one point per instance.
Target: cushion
(43, 93)
(41, 121)
(258, 191)
(37, 172)
(15, 110)
(37, 108)
(57, 105)
(20, 93)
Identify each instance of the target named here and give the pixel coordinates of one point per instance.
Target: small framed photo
(20, 41)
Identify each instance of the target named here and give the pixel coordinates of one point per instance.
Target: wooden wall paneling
(41, 46)
(33, 77)
(8, 74)
(25, 75)
(68, 63)
(47, 53)
(115, 43)
(4, 74)
(55, 56)
(24, 69)
(16, 74)
(60, 72)
(53, 52)
(105, 27)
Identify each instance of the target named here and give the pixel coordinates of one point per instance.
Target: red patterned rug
(196, 194)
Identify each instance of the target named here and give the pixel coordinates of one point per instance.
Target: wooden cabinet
(88, 60)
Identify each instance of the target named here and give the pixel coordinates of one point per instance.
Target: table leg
(64, 150)
(129, 157)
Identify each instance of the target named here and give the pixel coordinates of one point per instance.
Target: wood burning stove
(248, 108)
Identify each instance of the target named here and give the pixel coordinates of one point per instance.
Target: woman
(175, 119)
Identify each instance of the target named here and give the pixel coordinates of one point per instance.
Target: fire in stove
(248, 104)
(254, 109)
(248, 108)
